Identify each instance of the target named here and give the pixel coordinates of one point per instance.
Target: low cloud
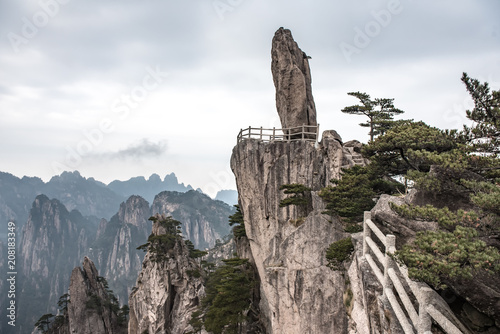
(137, 151)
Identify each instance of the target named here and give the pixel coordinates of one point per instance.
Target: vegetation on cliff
(468, 173)
(458, 173)
(236, 220)
(228, 297)
(338, 252)
(226, 307)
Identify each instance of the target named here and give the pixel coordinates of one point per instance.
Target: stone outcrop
(299, 293)
(53, 240)
(166, 292)
(85, 283)
(221, 251)
(389, 222)
(203, 219)
(353, 154)
(292, 79)
(89, 311)
(115, 250)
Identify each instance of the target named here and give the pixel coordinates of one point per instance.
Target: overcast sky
(117, 89)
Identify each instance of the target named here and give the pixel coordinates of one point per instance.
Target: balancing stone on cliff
(292, 79)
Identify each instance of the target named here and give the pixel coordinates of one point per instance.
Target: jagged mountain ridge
(55, 240)
(228, 196)
(87, 195)
(52, 242)
(114, 249)
(149, 188)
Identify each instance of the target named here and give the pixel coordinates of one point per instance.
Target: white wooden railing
(416, 322)
(298, 133)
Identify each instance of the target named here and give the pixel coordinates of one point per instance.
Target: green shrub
(437, 256)
(228, 298)
(353, 228)
(159, 245)
(193, 252)
(299, 194)
(237, 220)
(338, 252)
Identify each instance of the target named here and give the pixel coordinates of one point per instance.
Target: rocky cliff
(53, 240)
(89, 311)
(168, 289)
(90, 307)
(292, 79)
(203, 219)
(299, 293)
(116, 242)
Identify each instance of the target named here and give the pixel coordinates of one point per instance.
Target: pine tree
(484, 136)
(470, 170)
(380, 113)
(237, 221)
(228, 292)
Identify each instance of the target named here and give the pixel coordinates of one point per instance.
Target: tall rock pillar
(292, 79)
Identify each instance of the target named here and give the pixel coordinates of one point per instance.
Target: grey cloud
(137, 151)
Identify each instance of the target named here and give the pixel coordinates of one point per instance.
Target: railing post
(261, 133)
(317, 133)
(390, 247)
(424, 319)
(274, 133)
(302, 131)
(249, 132)
(366, 230)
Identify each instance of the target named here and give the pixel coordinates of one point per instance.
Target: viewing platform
(299, 133)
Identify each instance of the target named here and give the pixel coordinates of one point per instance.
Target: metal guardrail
(416, 322)
(298, 133)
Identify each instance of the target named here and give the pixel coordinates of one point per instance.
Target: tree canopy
(444, 164)
(380, 113)
(228, 298)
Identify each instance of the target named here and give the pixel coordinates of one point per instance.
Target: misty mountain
(227, 196)
(149, 188)
(52, 243)
(54, 240)
(89, 196)
(203, 219)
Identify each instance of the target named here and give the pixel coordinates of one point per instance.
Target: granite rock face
(203, 219)
(166, 292)
(115, 250)
(52, 241)
(299, 293)
(86, 286)
(292, 79)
